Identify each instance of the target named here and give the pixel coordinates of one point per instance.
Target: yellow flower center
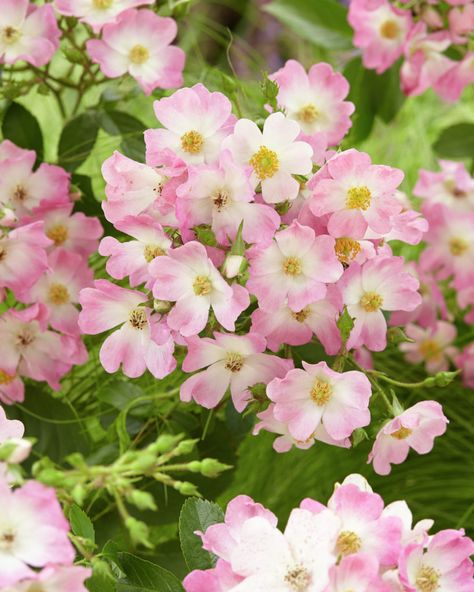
(58, 294)
(234, 362)
(301, 315)
(298, 578)
(139, 54)
(20, 193)
(429, 349)
(102, 4)
(221, 199)
(389, 30)
(202, 285)
(292, 266)
(402, 433)
(358, 198)
(458, 246)
(10, 35)
(35, 587)
(308, 114)
(137, 318)
(346, 249)
(192, 142)
(151, 251)
(348, 542)
(6, 378)
(265, 163)
(321, 392)
(371, 301)
(427, 579)
(58, 234)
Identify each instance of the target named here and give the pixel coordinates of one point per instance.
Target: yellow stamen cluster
(58, 234)
(292, 266)
(458, 246)
(321, 392)
(234, 361)
(192, 142)
(371, 301)
(265, 163)
(102, 4)
(58, 294)
(151, 251)
(346, 249)
(307, 114)
(427, 579)
(10, 35)
(348, 542)
(402, 433)
(301, 315)
(358, 198)
(137, 318)
(202, 285)
(389, 29)
(429, 349)
(139, 54)
(298, 578)
(6, 378)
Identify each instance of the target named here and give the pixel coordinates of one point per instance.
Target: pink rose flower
(274, 154)
(433, 346)
(139, 43)
(12, 389)
(195, 122)
(358, 573)
(293, 268)
(454, 80)
(28, 32)
(188, 277)
(380, 31)
(219, 579)
(142, 342)
(380, 284)
(96, 13)
(357, 194)
(233, 361)
(54, 579)
(415, 428)
(315, 100)
(314, 395)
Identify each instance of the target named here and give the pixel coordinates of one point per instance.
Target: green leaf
(387, 96)
(360, 81)
(119, 393)
(322, 22)
(144, 576)
(77, 140)
(22, 128)
(81, 524)
(456, 141)
(345, 324)
(118, 123)
(197, 514)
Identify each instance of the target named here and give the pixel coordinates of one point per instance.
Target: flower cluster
(354, 543)
(44, 249)
(121, 38)
(422, 34)
(445, 272)
(247, 238)
(35, 551)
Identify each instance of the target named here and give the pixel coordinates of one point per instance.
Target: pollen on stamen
(6, 378)
(358, 198)
(202, 285)
(346, 249)
(234, 361)
(371, 301)
(192, 142)
(102, 4)
(265, 163)
(389, 29)
(137, 318)
(458, 246)
(429, 349)
(221, 199)
(58, 294)
(427, 579)
(348, 542)
(321, 392)
(3, 253)
(58, 234)
(139, 54)
(152, 251)
(20, 193)
(10, 35)
(308, 114)
(402, 433)
(301, 315)
(292, 266)
(298, 578)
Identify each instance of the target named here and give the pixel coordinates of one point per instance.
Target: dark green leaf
(197, 514)
(360, 81)
(22, 128)
(144, 576)
(77, 140)
(387, 96)
(118, 123)
(345, 324)
(322, 22)
(81, 524)
(456, 141)
(119, 393)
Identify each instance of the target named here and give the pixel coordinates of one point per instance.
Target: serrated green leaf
(81, 524)
(21, 127)
(456, 141)
(197, 515)
(144, 576)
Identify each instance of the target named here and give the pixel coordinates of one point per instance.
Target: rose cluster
(44, 249)
(35, 551)
(121, 38)
(445, 272)
(431, 36)
(353, 543)
(246, 240)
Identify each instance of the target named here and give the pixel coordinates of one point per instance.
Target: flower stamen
(358, 198)
(152, 251)
(347, 249)
(265, 163)
(137, 318)
(321, 392)
(139, 54)
(58, 234)
(58, 294)
(202, 285)
(427, 579)
(234, 361)
(348, 542)
(371, 301)
(389, 29)
(308, 114)
(192, 142)
(292, 266)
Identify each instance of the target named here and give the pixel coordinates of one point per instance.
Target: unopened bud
(164, 443)
(210, 467)
(79, 493)
(234, 265)
(138, 532)
(186, 488)
(161, 306)
(15, 450)
(185, 447)
(142, 500)
(144, 462)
